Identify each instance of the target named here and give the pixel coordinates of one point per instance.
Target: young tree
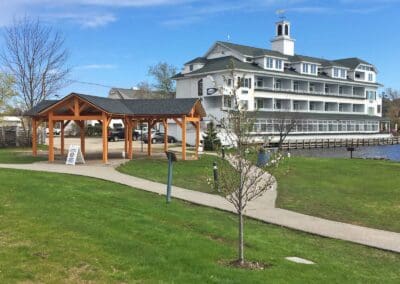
(240, 180)
(162, 74)
(35, 56)
(211, 141)
(284, 124)
(7, 91)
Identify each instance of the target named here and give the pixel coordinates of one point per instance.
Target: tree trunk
(241, 242)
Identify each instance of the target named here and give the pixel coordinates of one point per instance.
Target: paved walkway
(262, 208)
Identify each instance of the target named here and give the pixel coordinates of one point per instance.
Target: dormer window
(270, 63)
(370, 77)
(249, 59)
(278, 64)
(191, 67)
(313, 68)
(200, 87)
(305, 67)
(339, 73)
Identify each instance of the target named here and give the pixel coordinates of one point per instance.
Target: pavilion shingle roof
(130, 106)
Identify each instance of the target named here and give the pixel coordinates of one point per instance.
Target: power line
(92, 84)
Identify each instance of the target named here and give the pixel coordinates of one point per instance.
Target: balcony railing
(300, 92)
(309, 110)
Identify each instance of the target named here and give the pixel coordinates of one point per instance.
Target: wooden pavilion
(78, 108)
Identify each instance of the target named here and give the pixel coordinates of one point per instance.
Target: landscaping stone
(299, 260)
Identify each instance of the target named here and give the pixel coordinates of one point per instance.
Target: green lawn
(19, 155)
(61, 228)
(361, 192)
(189, 174)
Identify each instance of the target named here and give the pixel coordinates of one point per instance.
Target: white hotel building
(328, 98)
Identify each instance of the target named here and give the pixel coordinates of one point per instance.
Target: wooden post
(105, 137)
(82, 133)
(184, 137)
(165, 124)
(34, 137)
(149, 137)
(126, 136)
(197, 138)
(62, 145)
(129, 133)
(51, 137)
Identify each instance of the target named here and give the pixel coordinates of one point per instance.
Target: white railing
(273, 89)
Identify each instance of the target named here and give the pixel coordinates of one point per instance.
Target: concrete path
(262, 208)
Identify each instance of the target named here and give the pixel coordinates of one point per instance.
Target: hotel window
(229, 82)
(260, 82)
(278, 104)
(370, 77)
(305, 67)
(270, 62)
(313, 69)
(327, 90)
(200, 87)
(342, 73)
(340, 90)
(259, 103)
(191, 67)
(371, 111)
(312, 88)
(371, 95)
(336, 72)
(378, 110)
(278, 84)
(278, 64)
(247, 83)
(296, 86)
(227, 102)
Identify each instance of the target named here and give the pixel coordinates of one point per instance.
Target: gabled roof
(173, 107)
(250, 50)
(123, 93)
(352, 62)
(224, 63)
(40, 107)
(197, 60)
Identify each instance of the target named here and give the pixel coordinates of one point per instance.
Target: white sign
(74, 155)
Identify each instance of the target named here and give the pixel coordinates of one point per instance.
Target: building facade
(327, 98)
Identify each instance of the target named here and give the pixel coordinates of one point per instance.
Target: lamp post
(215, 172)
(171, 158)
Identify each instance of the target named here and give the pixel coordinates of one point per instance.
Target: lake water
(390, 152)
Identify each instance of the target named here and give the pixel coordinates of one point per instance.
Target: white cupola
(282, 41)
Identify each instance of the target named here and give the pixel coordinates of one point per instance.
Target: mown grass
(357, 191)
(61, 228)
(190, 174)
(19, 155)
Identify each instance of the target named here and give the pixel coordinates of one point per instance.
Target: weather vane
(281, 14)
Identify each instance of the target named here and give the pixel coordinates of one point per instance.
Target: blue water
(390, 152)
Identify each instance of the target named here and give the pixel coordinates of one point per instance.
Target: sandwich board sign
(74, 155)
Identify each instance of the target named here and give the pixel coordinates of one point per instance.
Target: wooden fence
(335, 143)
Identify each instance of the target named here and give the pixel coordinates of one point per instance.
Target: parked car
(119, 134)
(56, 131)
(158, 137)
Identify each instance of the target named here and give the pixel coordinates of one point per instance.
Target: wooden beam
(34, 137)
(184, 138)
(197, 139)
(82, 134)
(77, 117)
(105, 137)
(149, 122)
(51, 137)
(192, 119)
(62, 138)
(177, 121)
(76, 106)
(165, 124)
(130, 146)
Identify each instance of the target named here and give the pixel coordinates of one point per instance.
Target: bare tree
(7, 91)
(144, 90)
(240, 180)
(284, 124)
(162, 74)
(35, 56)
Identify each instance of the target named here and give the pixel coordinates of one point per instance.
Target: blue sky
(112, 43)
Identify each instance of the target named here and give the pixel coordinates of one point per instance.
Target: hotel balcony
(290, 86)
